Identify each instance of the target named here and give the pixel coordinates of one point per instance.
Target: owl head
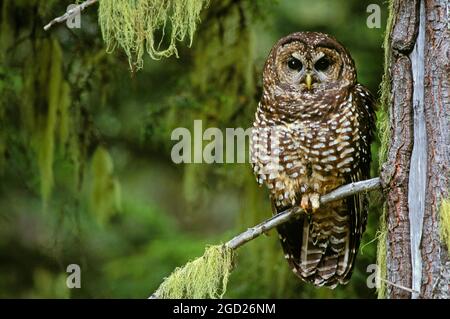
(310, 67)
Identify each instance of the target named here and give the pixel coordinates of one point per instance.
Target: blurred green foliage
(91, 140)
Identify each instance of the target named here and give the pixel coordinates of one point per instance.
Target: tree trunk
(416, 175)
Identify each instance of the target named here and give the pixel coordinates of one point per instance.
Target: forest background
(86, 175)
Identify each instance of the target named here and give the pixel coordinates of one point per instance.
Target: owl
(312, 133)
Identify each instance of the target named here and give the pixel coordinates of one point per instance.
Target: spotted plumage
(312, 134)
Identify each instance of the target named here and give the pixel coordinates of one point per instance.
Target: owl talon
(315, 201)
(304, 204)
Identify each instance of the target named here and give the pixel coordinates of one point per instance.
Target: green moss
(383, 129)
(385, 91)
(64, 115)
(133, 26)
(445, 223)
(381, 255)
(384, 134)
(44, 141)
(105, 190)
(45, 109)
(204, 277)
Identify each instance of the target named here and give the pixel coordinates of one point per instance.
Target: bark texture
(416, 176)
(436, 263)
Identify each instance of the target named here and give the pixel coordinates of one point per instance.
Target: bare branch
(337, 194)
(70, 13)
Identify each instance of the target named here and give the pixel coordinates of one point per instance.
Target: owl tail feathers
(320, 260)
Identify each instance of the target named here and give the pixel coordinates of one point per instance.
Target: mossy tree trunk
(416, 175)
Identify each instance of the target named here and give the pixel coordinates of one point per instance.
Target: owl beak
(308, 81)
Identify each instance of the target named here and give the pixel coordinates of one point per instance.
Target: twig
(70, 13)
(283, 217)
(399, 286)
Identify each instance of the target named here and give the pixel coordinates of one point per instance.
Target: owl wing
(358, 204)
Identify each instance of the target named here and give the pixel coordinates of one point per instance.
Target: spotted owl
(312, 133)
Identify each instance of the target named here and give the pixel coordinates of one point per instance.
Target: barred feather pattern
(304, 147)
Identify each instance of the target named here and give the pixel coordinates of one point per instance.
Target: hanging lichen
(134, 26)
(10, 84)
(382, 255)
(383, 128)
(46, 95)
(204, 277)
(445, 223)
(45, 100)
(383, 125)
(383, 131)
(46, 137)
(105, 192)
(225, 55)
(31, 101)
(64, 115)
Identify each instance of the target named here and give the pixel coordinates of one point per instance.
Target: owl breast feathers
(312, 133)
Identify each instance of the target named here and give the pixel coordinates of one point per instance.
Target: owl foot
(315, 201)
(310, 202)
(304, 204)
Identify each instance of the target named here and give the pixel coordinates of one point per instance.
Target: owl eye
(323, 64)
(295, 64)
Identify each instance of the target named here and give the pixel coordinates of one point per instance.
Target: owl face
(307, 69)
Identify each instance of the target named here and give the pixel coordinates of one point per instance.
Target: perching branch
(70, 13)
(215, 265)
(339, 193)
